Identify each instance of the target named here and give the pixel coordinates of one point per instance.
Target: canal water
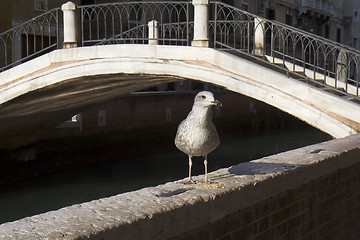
(56, 190)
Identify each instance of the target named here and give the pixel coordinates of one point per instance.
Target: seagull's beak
(216, 103)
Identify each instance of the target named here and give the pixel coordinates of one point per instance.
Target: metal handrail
(30, 39)
(139, 34)
(316, 59)
(127, 22)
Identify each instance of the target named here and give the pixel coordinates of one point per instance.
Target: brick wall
(141, 110)
(327, 208)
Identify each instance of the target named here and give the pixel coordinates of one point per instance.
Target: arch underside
(29, 117)
(75, 85)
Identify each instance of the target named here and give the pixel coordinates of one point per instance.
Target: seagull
(197, 135)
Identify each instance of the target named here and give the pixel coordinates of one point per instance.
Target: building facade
(320, 17)
(351, 23)
(15, 12)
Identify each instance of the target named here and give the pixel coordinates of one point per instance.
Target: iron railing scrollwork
(322, 61)
(128, 22)
(30, 39)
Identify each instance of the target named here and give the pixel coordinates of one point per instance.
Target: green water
(56, 190)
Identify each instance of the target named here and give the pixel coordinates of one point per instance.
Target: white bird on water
(196, 135)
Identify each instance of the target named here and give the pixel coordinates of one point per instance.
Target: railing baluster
(215, 23)
(30, 38)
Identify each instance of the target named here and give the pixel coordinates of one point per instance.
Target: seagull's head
(206, 99)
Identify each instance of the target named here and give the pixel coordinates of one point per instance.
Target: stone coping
(168, 210)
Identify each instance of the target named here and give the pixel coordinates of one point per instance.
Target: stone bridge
(40, 93)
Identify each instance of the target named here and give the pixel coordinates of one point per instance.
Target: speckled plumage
(197, 135)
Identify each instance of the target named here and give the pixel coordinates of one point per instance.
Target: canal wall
(307, 193)
(143, 109)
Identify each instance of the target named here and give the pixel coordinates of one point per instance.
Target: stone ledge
(168, 210)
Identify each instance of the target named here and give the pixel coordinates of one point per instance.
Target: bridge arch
(134, 67)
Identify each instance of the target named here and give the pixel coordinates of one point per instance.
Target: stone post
(201, 22)
(259, 32)
(153, 32)
(69, 24)
(342, 66)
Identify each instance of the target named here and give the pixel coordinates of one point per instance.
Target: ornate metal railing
(128, 22)
(30, 39)
(139, 34)
(318, 59)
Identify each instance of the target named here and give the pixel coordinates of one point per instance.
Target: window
(230, 2)
(270, 14)
(327, 31)
(101, 118)
(87, 2)
(244, 7)
(41, 5)
(168, 116)
(356, 15)
(356, 43)
(339, 4)
(288, 17)
(338, 35)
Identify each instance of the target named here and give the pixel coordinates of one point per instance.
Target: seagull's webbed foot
(206, 181)
(187, 181)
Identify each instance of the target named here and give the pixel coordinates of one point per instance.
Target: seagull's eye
(203, 97)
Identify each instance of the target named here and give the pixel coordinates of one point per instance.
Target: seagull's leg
(206, 180)
(206, 163)
(189, 180)
(190, 166)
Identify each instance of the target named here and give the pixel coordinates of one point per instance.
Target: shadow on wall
(259, 168)
(256, 167)
(265, 166)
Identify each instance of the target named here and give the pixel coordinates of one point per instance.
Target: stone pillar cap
(195, 2)
(68, 6)
(152, 23)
